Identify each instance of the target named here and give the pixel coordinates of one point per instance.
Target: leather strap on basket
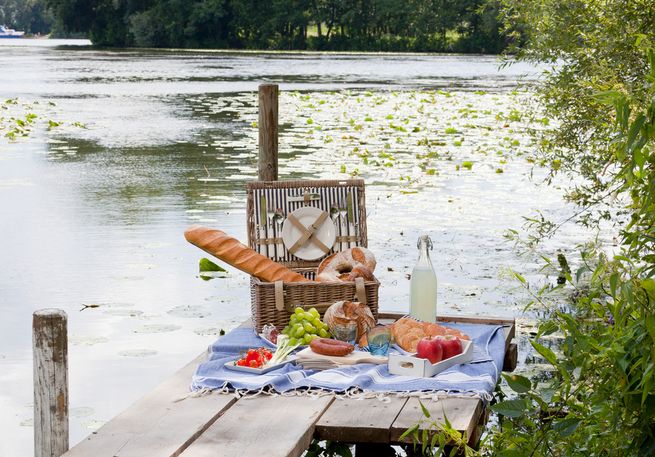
(279, 295)
(308, 233)
(360, 290)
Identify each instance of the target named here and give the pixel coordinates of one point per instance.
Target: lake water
(130, 147)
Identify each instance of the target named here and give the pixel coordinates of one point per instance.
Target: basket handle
(279, 295)
(360, 290)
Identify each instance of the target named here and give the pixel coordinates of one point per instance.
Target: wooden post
(268, 103)
(50, 343)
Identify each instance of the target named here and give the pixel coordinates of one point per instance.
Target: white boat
(6, 32)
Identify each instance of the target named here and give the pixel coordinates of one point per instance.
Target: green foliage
(19, 121)
(601, 394)
(209, 270)
(599, 49)
(599, 397)
(29, 16)
(319, 448)
(364, 25)
(431, 437)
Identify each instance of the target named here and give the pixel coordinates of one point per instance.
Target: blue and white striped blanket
(477, 377)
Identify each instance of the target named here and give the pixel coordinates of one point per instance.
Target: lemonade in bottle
(423, 284)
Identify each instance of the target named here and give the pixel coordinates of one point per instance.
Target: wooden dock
(162, 425)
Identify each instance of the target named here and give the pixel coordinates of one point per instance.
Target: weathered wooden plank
(262, 426)
(474, 439)
(268, 132)
(359, 421)
(511, 358)
(159, 424)
(393, 315)
(50, 342)
(463, 414)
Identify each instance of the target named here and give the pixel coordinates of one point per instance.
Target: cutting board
(353, 358)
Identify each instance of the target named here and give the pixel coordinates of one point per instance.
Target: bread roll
(232, 251)
(343, 312)
(357, 262)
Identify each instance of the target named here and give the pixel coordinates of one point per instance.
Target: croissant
(233, 252)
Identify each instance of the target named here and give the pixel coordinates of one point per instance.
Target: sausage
(327, 346)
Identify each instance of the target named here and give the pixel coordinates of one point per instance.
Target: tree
(599, 399)
(30, 16)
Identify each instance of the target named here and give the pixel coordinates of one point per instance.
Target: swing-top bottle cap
(424, 239)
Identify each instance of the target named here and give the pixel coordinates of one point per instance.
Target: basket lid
(274, 205)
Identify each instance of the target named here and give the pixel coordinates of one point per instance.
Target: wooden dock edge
(158, 424)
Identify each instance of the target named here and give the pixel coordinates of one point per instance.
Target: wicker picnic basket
(271, 201)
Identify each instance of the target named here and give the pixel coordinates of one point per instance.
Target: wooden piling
(268, 123)
(50, 345)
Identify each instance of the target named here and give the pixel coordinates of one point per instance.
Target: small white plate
(265, 369)
(326, 233)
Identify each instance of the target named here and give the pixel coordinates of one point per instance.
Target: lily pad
(93, 424)
(81, 411)
(157, 328)
(208, 331)
(209, 270)
(87, 340)
(189, 311)
(124, 312)
(138, 353)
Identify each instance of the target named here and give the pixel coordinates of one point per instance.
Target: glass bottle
(423, 284)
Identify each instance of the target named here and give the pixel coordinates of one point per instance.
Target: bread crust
(347, 265)
(233, 252)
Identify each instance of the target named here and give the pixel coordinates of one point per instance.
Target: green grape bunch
(304, 326)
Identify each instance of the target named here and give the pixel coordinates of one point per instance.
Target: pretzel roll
(347, 265)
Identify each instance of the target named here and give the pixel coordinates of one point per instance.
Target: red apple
(450, 346)
(429, 348)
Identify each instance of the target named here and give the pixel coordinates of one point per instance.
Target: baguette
(230, 250)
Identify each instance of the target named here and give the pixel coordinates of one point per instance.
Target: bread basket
(273, 302)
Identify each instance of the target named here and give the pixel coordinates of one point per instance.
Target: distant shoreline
(87, 43)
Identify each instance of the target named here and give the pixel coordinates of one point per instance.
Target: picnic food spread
(318, 230)
(407, 333)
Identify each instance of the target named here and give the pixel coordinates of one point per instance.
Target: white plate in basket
(326, 233)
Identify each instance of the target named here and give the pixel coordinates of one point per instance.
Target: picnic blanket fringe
(352, 393)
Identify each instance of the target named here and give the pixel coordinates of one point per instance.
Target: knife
(263, 220)
(351, 212)
(301, 198)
